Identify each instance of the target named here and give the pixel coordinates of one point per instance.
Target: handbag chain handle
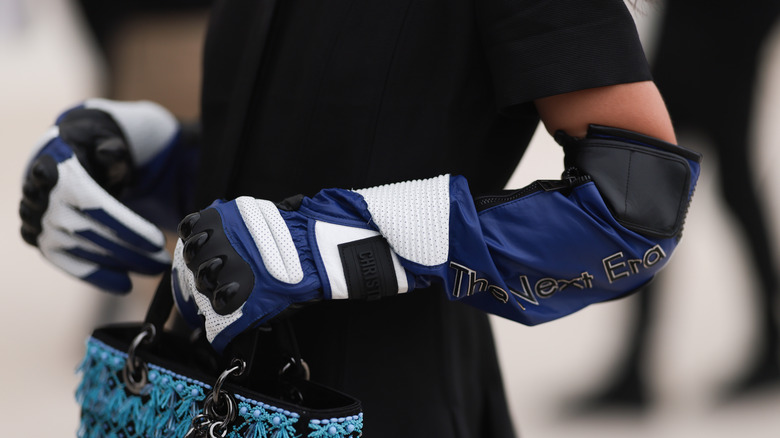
(219, 408)
(135, 371)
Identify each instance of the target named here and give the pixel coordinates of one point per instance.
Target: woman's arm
(636, 106)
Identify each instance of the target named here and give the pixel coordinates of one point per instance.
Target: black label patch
(368, 268)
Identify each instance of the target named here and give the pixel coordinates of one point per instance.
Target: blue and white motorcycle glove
(95, 153)
(531, 255)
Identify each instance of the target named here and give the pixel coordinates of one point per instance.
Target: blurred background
(704, 332)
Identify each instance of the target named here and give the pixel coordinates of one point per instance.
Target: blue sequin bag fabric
(173, 388)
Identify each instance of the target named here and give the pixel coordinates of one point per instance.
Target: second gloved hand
(69, 208)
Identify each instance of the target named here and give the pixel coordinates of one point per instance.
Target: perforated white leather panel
(272, 238)
(414, 217)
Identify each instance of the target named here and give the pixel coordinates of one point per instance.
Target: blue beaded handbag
(139, 380)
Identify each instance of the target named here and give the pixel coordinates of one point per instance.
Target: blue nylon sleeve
(547, 254)
(556, 254)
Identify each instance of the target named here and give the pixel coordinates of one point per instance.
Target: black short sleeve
(538, 48)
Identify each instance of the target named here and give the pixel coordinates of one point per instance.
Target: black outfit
(354, 94)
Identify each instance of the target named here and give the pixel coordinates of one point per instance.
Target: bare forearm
(635, 106)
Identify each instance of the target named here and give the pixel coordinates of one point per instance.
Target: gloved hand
(95, 153)
(531, 255)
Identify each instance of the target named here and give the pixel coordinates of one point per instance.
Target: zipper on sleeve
(570, 179)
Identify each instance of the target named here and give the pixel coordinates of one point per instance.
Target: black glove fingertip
(206, 279)
(193, 245)
(223, 298)
(30, 234)
(112, 157)
(30, 190)
(27, 214)
(187, 224)
(44, 172)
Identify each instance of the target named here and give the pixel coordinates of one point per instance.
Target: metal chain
(134, 373)
(219, 409)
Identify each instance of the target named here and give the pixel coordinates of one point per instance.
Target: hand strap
(162, 303)
(269, 351)
(251, 346)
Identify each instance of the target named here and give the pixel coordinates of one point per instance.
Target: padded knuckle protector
(644, 181)
(233, 269)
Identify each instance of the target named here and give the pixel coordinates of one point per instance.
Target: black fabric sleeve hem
(566, 60)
